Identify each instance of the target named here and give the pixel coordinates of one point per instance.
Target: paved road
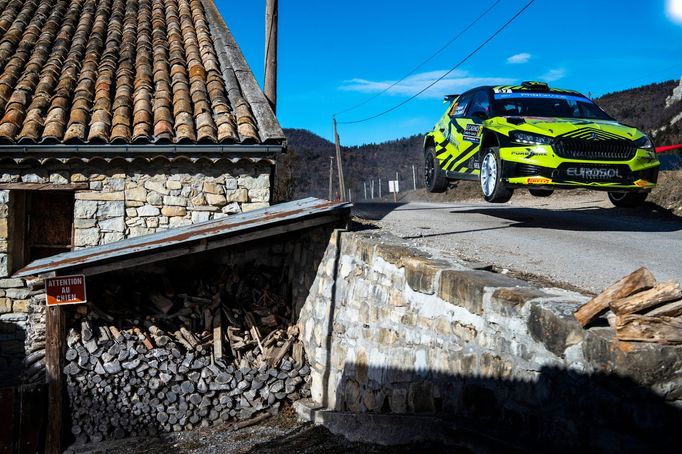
(581, 241)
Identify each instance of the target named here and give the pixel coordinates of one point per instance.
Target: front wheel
(493, 188)
(627, 199)
(541, 192)
(435, 178)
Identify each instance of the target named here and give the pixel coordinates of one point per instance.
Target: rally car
(541, 138)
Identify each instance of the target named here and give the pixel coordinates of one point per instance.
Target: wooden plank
(642, 328)
(672, 309)
(217, 335)
(44, 186)
(7, 419)
(642, 279)
(32, 418)
(663, 292)
(55, 335)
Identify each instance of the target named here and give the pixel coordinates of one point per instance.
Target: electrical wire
(420, 65)
(460, 63)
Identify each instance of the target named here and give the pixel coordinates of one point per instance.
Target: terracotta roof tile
(125, 71)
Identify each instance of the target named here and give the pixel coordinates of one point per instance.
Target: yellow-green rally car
(541, 138)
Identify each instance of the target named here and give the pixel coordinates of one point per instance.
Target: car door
(449, 132)
(469, 129)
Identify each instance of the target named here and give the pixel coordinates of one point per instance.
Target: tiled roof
(126, 71)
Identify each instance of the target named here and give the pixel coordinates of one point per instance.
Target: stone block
(112, 224)
(112, 237)
(238, 195)
(5, 305)
(116, 184)
(174, 184)
(463, 331)
(216, 200)
(84, 209)
(509, 301)
(4, 269)
(11, 283)
(173, 211)
(152, 222)
(35, 176)
(154, 198)
(21, 306)
(420, 273)
(466, 288)
(231, 208)
(198, 200)
(200, 216)
(137, 194)
(259, 195)
(96, 186)
(210, 187)
(131, 212)
(17, 293)
(78, 177)
(493, 366)
(100, 196)
(156, 186)
(84, 223)
(59, 177)
(179, 222)
(148, 210)
(170, 200)
(552, 323)
(87, 237)
(231, 183)
(139, 231)
(111, 209)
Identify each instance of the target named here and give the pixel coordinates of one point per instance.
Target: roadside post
(62, 290)
(394, 188)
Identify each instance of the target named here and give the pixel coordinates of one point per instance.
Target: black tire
(628, 199)
(435, 178)
(541, 192)
(494, 190)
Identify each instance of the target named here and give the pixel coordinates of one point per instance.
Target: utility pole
(342, 184)
(270, 79)
(414, 179)
(331, 174)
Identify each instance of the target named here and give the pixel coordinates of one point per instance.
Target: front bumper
(538, 166)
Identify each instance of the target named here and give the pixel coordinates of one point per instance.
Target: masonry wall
(389, 329)
(116, 200)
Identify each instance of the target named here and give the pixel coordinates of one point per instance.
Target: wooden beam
(663, 292)
(218, 335)
(662, 330)
(642, 279)
(270, 77)
(44, 186)
(54, 351)
(672, 309)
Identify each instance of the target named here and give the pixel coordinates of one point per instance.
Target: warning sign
(65, 290)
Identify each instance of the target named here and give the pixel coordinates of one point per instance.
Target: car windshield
(547, 105)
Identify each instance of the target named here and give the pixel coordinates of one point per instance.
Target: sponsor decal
(642, 183)
(536, 180)
(593, 173)
(471, 133)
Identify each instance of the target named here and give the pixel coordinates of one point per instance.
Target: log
(140, 335)
(642, 328)
(662, 292)
(217, 336)
(640, 280)
(672, 309)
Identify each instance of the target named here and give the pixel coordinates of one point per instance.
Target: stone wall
(390, 329)
(117, 200)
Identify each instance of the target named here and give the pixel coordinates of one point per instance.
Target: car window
(459, 107)
(480, 103)
(547, 105)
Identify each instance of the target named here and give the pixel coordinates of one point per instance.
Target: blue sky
(333, 55)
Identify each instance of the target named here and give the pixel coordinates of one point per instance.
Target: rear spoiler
(449, 98)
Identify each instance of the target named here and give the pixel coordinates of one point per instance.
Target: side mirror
(481, 115)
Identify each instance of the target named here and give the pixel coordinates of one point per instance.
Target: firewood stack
(221, 353)
(641, 309)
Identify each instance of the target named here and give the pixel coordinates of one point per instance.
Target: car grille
(595, 150)
(527, 170)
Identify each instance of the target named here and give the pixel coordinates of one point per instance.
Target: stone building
(119, 118)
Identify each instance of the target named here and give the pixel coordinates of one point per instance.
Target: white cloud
(519, 58)
(673, 9)
(553, 74)
(455, 82)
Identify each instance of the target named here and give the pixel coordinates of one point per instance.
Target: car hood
(574, 128)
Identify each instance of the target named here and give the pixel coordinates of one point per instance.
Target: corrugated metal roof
(198, 236)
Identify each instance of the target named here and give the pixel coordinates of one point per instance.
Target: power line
(420, 65)
(471, 54)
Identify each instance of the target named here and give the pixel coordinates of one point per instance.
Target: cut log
(642, 328)
(140, 335)
(672, 309)
(217, 336)
(663, 292)
(640, 280)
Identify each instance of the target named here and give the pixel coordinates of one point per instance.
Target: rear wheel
(435, 178)
(541, 192)
(493, 188)
(627, 199)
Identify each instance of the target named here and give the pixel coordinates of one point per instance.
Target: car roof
(533, 89)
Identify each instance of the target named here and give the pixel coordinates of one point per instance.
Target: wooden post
(270, 79)
(331, 167)
(342, 185)
(55, 334)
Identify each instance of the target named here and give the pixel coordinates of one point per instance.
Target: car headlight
(528, 138)
(644, 142)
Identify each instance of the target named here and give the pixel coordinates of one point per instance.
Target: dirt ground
(278, 435)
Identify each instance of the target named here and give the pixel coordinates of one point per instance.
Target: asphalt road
(580, 241)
